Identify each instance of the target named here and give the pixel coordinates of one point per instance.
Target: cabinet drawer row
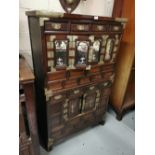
(58, 26)
(106, 71)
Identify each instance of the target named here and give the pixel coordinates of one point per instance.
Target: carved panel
(74, 106)
(89, 101)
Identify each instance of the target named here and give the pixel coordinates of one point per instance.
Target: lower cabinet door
(74, 106)
(89, 101)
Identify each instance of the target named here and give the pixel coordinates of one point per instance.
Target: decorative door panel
(74, 106)
(89, 102)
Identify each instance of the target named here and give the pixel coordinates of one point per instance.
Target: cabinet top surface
(50, 14)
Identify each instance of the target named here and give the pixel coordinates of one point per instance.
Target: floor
(114, 138)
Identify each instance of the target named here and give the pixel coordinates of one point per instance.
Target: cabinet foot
(119, 117)
(102, 122)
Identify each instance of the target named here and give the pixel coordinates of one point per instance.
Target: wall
(89, 7)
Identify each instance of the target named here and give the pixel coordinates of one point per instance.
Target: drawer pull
(81, 27)
(56, 26)
(58, 97)
(100, 27)
(76, 91)
(116, 28)
(91, 88)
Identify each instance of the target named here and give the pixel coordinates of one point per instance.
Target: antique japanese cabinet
(74, 58)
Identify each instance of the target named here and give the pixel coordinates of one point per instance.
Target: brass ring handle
(56, 26)
(81, 27)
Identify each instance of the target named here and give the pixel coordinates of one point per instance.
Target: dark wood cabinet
(28, 133)
(74, 64)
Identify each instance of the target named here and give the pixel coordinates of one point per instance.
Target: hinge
(48, 94)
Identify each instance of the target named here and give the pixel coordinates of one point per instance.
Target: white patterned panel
(50, 54)
(49, 45)
(50, 63)
(72, 53)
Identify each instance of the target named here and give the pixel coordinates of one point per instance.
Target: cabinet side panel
(37, 55)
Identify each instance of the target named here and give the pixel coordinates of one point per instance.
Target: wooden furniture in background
(28, 135)
(74, 62)
(123, 91)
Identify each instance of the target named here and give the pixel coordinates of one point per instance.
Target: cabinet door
(74, 102)
(89, 98)
(74, 106)
(89, 101)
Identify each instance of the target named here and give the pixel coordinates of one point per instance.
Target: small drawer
(55, 85)
(76, 73)
(99, 28)
(70, 83)
(59, 75)
(56, 26)
(96, 77)
(116, 28)
(84, 80)
(80, 27)
(94, 70)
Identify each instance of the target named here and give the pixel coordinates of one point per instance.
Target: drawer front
(96, 77)
(76, 73)
(70, 83)
(99, 28)
(116, 28)
(59, 75)
(80, 27)
(84, 80)
(56, 26)
(54, 86)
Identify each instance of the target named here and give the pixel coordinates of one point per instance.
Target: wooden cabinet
(123, 91)
(28, 134)
(74, 64)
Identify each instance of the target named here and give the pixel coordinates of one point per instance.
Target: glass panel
(82, 48)
(61, 47)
